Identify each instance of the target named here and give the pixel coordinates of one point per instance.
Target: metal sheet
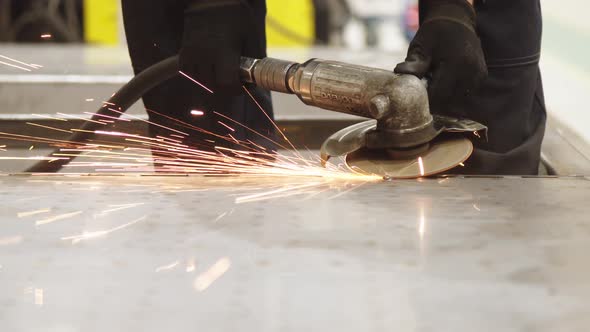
(127, 253)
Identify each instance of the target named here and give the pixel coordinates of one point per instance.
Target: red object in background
(411, 20)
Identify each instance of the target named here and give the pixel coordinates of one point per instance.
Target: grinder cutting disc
(442, 154)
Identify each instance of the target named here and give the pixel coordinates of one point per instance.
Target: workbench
(180, 253)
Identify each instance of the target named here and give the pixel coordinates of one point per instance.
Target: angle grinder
(402, 139)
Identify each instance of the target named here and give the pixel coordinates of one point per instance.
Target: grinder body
(399, 103)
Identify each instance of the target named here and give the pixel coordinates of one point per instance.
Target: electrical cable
(121, 101)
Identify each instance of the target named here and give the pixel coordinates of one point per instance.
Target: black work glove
(446, 49)
(215, 34)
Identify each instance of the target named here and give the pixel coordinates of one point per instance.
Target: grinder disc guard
(441, 154)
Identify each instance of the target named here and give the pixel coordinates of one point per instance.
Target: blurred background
(291, 23)
(81, 41)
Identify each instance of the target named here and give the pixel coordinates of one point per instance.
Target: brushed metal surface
(130, 253)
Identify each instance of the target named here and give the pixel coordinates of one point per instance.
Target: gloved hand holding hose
(215, 35)
(446, 48)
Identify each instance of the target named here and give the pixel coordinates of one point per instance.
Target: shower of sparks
(207, 278)
(421, 165)
(92, 235)
(197, 82)
(171, 153)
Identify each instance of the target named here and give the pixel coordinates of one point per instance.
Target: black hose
(121, 101)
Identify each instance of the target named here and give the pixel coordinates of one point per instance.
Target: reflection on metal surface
(32, 213)
(167, 267)
(286, 191)
(205, 279)
(219, 217)
(92, 235)
(409, 247)
(39, 297)
(11, 240)
(117, 207)
(58, 218)
(421, 164)
(190, 265)
(422, 226)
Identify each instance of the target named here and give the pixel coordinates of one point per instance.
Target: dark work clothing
(154, 30)
(510, 101)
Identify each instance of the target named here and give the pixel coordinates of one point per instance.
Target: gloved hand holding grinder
(447, 50)
(446, 47)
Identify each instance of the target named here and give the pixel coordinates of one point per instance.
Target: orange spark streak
(106, 116)
(152, 123)
(80, 118)
(296, 152)
(20, 62)
(197, 113)
(226, 126)
(14, 66)
(48, 127)
(49, 117)
(251, 130)
(30, 158)
(195, 81)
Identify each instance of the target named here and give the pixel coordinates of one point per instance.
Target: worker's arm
(446, 48)
(215, 32)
